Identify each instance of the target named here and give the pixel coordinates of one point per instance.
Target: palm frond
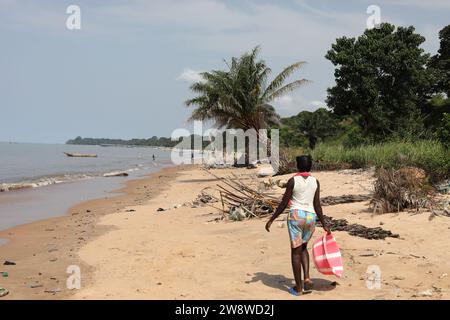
(287, 88)
(238, 97)
(278, 81)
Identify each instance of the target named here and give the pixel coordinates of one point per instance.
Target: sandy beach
(127, 249)
(43, 250)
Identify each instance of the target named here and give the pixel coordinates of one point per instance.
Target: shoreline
(24, 206)
(131, 250)
(42, 250)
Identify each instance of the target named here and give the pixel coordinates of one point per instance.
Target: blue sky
(126, 73)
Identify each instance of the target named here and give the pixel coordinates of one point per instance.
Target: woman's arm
(284, 203)
(318, 208)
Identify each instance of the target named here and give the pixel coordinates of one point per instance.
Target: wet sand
(43, 250)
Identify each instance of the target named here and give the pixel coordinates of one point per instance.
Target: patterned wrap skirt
(301, 226)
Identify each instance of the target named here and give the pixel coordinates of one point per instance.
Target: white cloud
(190, 75)
(291, 105)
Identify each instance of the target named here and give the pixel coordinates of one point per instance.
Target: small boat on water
(80, 155)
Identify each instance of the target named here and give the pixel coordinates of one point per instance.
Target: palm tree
(240, 98)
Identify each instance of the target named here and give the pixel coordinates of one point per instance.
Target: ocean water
(41, 163)
(56, 182)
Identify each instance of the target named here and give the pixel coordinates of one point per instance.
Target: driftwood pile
(241, 201)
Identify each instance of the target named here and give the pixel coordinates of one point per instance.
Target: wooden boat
(80, 155)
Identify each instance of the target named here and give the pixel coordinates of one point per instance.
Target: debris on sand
(9, 263)
(240, 200)
(3, 292)
(203, 199)
(357, 229)
(237, 214)
(346, 198)
(426, 293)
(396, 190)
(443, 187)
(281, 183)
(243, 201)
(53, 291)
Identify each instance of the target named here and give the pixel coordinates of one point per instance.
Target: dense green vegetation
(308, 128)
(186, 142)
(390, 106)
(430, 155)
(153, 141)
(382, 81)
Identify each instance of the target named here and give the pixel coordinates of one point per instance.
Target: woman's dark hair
(304, 163)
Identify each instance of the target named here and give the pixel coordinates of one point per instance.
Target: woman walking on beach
(303, 196)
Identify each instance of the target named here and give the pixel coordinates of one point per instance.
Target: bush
(396, 190)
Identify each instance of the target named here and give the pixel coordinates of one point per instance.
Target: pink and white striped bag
(327, 257)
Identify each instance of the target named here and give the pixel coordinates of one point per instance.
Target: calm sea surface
(60, 182)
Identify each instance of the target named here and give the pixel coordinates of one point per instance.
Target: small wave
(42, 182)
(46, 181)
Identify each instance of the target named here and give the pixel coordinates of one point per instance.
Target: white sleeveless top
(303, 193)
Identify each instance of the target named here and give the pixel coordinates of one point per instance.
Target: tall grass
(429, 155)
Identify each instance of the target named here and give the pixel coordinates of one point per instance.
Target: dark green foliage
(381, 81)
(434, 111)
(153, 141)
(441, 62)
(310, 127)
(443, 131)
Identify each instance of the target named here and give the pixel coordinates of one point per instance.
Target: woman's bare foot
(308, 284)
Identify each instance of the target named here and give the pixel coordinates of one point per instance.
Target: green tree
(441, 61)
(314, 126)
(240, 97)
(439, 68)
(381, 80)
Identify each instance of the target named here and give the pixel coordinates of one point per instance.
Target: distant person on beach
(303, 196)
(153, 157)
